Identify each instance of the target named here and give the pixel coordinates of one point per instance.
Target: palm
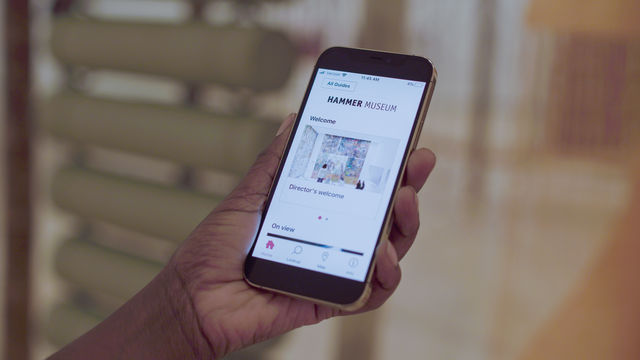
(213, 257)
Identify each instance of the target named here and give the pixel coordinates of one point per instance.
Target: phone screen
(329, 204)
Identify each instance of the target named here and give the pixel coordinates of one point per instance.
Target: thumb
(254, 187)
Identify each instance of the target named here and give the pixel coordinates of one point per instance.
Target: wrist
(159, 322)
(180, 316)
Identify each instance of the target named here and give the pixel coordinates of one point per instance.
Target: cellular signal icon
(344, 74)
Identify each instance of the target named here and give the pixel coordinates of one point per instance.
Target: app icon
(297, 249)
(270, 245)
(325, 255)
(353, 262)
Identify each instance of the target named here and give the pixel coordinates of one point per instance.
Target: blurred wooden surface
(611, 18)
(593, 106)
(601, 318)
(18, 181)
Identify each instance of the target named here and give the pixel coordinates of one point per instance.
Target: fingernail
(415, 199)
(391, 253)
(285, 123)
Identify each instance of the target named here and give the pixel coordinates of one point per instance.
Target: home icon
(270, 245)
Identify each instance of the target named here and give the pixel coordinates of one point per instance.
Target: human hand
(228, 314)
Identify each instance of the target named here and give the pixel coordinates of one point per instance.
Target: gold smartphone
(331, 200)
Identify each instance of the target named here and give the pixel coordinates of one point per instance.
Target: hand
(199, 306)
(229, 313)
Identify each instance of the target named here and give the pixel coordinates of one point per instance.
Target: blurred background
(135, 117)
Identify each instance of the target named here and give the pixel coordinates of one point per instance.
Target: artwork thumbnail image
(337, 159)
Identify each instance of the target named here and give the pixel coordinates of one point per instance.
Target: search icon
(297, 249)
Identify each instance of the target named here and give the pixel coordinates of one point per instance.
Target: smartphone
(331, 200)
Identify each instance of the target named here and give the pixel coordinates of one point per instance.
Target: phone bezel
(321, 287)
